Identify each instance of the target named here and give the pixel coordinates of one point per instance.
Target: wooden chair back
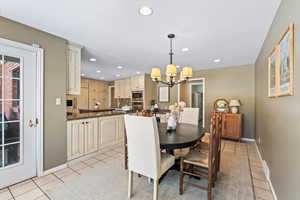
(213, 145)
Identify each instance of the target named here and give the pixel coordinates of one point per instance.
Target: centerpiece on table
(174, 115)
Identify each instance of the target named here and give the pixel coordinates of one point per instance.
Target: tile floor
(35, 188)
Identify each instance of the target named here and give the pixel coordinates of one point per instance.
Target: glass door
(17, 114)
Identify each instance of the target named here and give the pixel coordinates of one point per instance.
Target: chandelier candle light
(171, 72)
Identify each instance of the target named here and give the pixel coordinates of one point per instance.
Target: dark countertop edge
(94, 116)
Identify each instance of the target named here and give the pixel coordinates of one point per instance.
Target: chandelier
(171, 72)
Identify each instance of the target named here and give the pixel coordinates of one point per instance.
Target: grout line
(41, 189)
(250, 170)
(58, 177)
(74, 171)
(11, 193)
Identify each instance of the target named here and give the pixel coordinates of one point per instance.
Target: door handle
(32, 124)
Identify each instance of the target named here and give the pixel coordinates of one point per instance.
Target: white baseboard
(55, 169)
(267, 172)
(248, 139)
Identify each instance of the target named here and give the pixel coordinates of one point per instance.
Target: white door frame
(39, 131)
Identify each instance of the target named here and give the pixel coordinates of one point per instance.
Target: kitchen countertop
(76, 116)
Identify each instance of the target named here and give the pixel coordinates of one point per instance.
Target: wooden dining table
(185, 135)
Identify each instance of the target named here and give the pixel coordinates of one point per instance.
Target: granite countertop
(76, 116)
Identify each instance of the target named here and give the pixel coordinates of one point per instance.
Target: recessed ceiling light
(82, 74)
(138, 72)
(118, 75)
(120, 67)
(146, 11)
(93, 59)
(102, 77)
(178, 66)
(185, 49)
(98, 71)
(217, 60)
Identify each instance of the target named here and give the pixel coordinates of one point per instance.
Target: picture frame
(221, 105)
(273, 73)
(281, 66)
(164, 94)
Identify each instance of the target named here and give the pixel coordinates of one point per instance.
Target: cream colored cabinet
(138, 83)
(74, 67)
(75, 138)
(118, 89)
(91, 135)
(82, 137)
(111, 130)
(121, 128)
(123, 88)
(108, 127)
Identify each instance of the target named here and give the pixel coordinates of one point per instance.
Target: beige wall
(55, 68)
(277, 120)
(230, 83)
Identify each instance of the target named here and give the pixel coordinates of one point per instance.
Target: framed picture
(273, 72)
(281, 66)
(286, 65)
(221, 105)
(164, 94)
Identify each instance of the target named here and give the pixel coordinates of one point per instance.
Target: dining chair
(189, 116)
(144, 154)
(202, 164)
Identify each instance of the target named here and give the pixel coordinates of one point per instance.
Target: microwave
(137, 96)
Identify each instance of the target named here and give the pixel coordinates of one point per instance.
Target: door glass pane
(1, 62)
(1, 160)
(11, 110)
(11, 154)
(11, 88)
(11, 67)
(11, 132)
(1, 133)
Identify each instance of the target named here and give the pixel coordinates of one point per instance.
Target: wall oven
(137, 96)
(137, 106)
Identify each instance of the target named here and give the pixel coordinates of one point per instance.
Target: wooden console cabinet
(232, 125)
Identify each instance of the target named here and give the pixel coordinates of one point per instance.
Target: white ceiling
(115, 34)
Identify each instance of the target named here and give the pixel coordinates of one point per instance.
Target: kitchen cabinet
(232, 125)
(74, 67)
(123, 88)
(111, 130)
(91, 136)
(83, 98)
(82, 137)
(137, 83)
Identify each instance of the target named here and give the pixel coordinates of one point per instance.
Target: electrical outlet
(259, 140)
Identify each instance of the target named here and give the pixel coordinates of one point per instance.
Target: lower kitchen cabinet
(89, 135)
(82, 137)
(111, 130)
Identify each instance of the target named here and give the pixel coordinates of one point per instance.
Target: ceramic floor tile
(69, 178)
(40, 181)
(261, 184)
(263, 194)
(90, 161)
(44, 197)
(78, 166)
(22, 188)
(5, 194)
(64, 172)
(31, 195)
(51, 185)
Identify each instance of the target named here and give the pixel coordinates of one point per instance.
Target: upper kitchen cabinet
(138, 83)
(74, 66)
(123, 88)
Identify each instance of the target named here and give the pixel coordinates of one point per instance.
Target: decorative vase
(172, 122)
